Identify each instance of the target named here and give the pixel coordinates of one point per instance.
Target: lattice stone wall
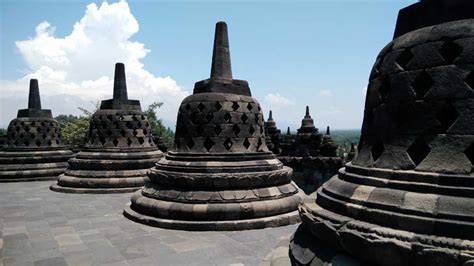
(216, 125)
(419, 106)
(30, 132)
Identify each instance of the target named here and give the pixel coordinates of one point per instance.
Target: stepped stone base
(230, 225)
(22, 166)
(107, 171)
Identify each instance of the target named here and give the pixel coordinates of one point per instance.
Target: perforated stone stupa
(34, 148)
(119, 151)
(220, 175)
(408, 196)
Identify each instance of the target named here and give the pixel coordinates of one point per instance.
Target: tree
(157, 124)
(75, 129)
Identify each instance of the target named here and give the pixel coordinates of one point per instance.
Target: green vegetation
(344, 138)
(157, 124)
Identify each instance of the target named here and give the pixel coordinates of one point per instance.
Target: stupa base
(229, 225)
(57, 188)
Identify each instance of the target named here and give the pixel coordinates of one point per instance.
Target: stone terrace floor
(42, 227)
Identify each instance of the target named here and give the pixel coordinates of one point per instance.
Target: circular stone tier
(34, 150)
(117, 157)
(215, 192)
(408, 196)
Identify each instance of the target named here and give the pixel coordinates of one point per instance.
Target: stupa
(272, 134)
(34, 148)
(328, 147)
(408, 196)
(220, 174)
(308, 138)
(119, 151)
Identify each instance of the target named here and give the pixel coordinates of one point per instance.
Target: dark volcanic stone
(34, 148)
(407, 197)
(219, 175)
(119, 151)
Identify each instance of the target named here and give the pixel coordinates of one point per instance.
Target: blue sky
(293, 53)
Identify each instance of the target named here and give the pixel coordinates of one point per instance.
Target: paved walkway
(41, 227)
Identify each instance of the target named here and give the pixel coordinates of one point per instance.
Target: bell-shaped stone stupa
(119, 151)
(408, 196)
(220, 175)
(34, 148)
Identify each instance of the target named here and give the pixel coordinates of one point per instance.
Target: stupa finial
(221, 65)
(328, 131)
(120, 82)
(307, 112)
(288, 131)
(34, 100)
(270, 115)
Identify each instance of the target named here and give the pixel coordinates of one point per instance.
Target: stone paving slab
(42, 227)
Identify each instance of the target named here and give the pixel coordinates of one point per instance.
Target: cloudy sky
(293, 53)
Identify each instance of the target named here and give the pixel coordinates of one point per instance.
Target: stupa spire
(221, 64)
(270, 116)
(307, 112)
(328, 131)
(120, 83)
(34, 100)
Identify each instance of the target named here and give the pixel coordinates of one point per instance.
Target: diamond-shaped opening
(199, 130)
(246, 143)
(236, 130)
(258, 108)
(470, 153)
(27, 129)
(190, 143)
(21, 135)
(139, 124)
(43, 124)
(404, 58)
(384, 88)
(38, 129)
(418, 150)
(143, 117)
(17, 129)
(422, 84)
(128, 124)
(141, 140)
(251, 130)
(257, 118)
(249, 106)
(208, 144)
(49, 143)
(44, 136)
(16, 142)
(48, 129)
(261, 130)
(244, 118)
(38, 143)
(23, 123)
(235, 106)
(218, 106)
(227, 117)
(129, 141)
(201, 107)
(470, 80)
(187, 107)
(377, 150)
(123, 132)
(121, 118)
(32, 135)
(110, 117)
(33, 124)
(217, 129)
(27, 143)
(102, 140)
(209, 117)
(115, 141)
(109, 132)
(228, 144)
(145, 132)
(447, 116)
(450, 51)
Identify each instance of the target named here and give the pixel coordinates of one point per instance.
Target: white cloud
(326, 93)
(275, 100)
(80, 66)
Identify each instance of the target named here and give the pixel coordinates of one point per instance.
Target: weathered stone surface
(220, 174)
(407, 197)
(34, 148)
(119, 151)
